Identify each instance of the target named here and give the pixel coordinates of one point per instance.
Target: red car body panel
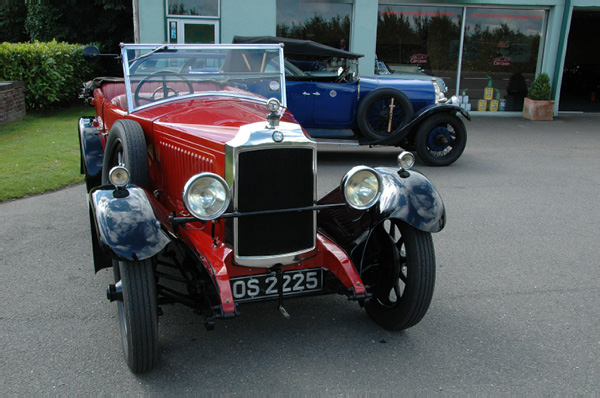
(178, 143)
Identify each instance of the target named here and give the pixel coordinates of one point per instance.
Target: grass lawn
(40, 153)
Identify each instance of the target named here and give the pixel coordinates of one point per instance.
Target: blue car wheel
(383, 113)
(441, 139)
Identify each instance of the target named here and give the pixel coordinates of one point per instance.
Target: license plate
(263, 286)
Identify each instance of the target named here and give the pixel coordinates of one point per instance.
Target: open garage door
(580, 89)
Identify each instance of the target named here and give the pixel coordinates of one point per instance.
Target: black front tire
(138, 314)
(404, 287)
(126, 146)
(441, 139)
(383, 113)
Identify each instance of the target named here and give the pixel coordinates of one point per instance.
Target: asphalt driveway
(515, 310)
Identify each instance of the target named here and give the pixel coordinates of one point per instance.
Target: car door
(334, 104)
(300, 101)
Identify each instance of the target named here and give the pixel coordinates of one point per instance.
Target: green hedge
(52, 72)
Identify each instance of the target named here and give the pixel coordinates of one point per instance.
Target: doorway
(188, 31)
(580, 89)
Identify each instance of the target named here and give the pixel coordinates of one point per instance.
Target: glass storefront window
(324, 21)
(500, 57)
(420, 39)
(204, 8)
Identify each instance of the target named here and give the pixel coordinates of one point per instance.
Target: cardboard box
(488, 93)
(482, 105)
(494, 105)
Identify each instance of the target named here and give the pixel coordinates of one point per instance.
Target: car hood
(215, 119)
(413, 88)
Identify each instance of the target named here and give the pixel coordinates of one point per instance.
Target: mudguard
(411, 197)
(408, 196)
(125, 225)
(92, 155)
(417, 119)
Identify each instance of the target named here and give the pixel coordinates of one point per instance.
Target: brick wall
(12, 101)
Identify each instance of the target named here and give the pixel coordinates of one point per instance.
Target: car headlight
(406, 160)
(118, 176)
(206, 196)
(361, 187)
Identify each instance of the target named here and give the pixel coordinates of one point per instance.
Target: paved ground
(515, 308)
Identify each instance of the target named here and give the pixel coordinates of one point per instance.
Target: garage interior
(580, 91)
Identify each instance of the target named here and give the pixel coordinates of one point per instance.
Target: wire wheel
(441, 139)
(404, 287)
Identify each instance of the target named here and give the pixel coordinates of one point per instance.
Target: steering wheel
(344, 75)
(164, 88)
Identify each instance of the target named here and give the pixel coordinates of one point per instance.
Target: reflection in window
(206, 8)
(326, 22)
(419, 39)
(500, 57)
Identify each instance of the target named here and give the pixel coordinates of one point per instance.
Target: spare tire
(126, 146)
(383, 113)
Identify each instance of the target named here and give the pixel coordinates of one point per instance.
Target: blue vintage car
(330, 100)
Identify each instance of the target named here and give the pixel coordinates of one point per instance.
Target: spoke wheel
(441, 139)
(404, 288)
(138, 317)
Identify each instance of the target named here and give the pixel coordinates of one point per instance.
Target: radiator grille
(272, 179)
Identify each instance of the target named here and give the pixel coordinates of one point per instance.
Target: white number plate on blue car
(263, 286)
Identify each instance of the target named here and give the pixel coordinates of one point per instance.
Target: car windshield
(161, 73)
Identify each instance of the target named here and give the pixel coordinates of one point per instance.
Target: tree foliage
(103, 22)
(319, 29)
(540, 89)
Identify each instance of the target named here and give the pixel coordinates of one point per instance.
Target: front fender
(92, 154)
(412, 198)
(125, 225)
(423, 114)
(409, 197)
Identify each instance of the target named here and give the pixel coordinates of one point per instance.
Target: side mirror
(91, 54)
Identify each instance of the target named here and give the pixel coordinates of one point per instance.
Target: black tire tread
(139, 299)
(417, 297)
(135, 154)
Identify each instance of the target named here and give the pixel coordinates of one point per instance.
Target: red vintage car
(202, 191)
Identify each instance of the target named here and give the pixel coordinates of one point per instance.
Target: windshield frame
(149, 50)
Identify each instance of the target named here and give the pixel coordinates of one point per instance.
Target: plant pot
(538, 110)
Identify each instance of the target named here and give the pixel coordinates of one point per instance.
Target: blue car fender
(126, 228)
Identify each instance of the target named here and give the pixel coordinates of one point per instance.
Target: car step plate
(265, 286)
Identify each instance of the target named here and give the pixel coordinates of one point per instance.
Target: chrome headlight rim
(351, 176)
(406, 160)
(119, 176)
(188, 190)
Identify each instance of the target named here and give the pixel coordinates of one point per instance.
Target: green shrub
(540, 89)
(52, 72)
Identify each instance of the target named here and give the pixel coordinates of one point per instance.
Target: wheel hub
(439, 139)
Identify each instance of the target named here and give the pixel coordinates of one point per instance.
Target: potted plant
(538, 105)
